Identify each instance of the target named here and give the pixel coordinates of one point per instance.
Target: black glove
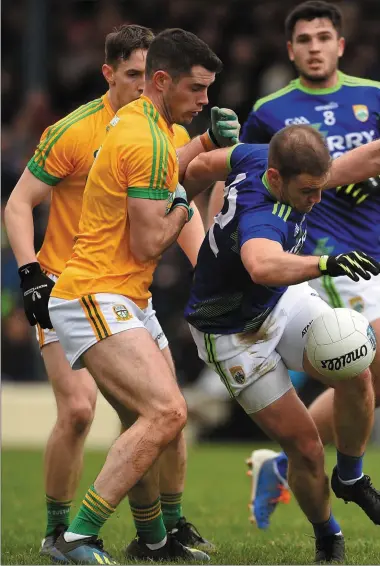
(36, 288)
(352, 264)
(357, 193)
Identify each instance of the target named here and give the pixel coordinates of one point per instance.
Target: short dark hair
(123, 40)
(176, 51)
(297, 150)
(311, 10)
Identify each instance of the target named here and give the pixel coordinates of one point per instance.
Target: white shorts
(362, 296)
(81, 323)
(249, 364)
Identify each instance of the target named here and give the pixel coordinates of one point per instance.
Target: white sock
(157, 545)
(71, 537)
(350, 482)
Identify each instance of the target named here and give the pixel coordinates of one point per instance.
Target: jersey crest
(361, 112)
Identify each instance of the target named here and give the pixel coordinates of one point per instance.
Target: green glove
(225, 127)
(180, 199)
(353, 264)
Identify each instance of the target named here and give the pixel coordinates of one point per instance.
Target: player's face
(185, 98)
(127, 79)
(315, 49)
(303, 191)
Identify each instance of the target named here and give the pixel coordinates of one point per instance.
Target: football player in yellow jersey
(62, 161)
(133, 209)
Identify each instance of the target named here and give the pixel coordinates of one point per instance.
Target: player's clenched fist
(36, 288)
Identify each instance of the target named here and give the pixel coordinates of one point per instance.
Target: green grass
(216, 499)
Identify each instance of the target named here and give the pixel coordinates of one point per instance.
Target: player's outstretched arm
(152, 230)
(191, 236)
(18, 216)
(268, 264)
(355, 165)
(205, 169)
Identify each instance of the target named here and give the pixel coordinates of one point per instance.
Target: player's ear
(108, 74)
(274, 177)
(290, 50)
(341, 46)
(160, 80)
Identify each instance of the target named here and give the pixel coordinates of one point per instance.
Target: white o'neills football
(340, 344)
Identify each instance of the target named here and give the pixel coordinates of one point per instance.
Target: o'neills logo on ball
(345, 360)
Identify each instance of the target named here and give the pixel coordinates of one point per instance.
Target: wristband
(212, 137)
(322, 264)
(206, 140)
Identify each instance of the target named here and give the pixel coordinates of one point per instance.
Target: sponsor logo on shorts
(238, 374)
(371, 336)
(343, 361)
(357, 304)
(122, 313)
(159, 336)
(306, 328)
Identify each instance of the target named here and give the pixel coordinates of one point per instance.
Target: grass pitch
(216, 498)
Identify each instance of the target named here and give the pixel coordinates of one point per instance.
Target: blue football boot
(268, 487)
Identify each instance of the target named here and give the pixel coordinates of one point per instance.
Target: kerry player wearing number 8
(250, 307)
(345, 109)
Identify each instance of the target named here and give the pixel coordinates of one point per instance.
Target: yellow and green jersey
(63, 159)
(137, 159)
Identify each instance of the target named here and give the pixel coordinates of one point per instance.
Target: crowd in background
(246, 34)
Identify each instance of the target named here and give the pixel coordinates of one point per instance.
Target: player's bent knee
(173, 419)
(308, 452)
(77, 415)
(358, 385)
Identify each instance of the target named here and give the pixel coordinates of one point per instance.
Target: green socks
(57, 514)
(171, 505)
(92, 515)
(152, 521)
(149, 522)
